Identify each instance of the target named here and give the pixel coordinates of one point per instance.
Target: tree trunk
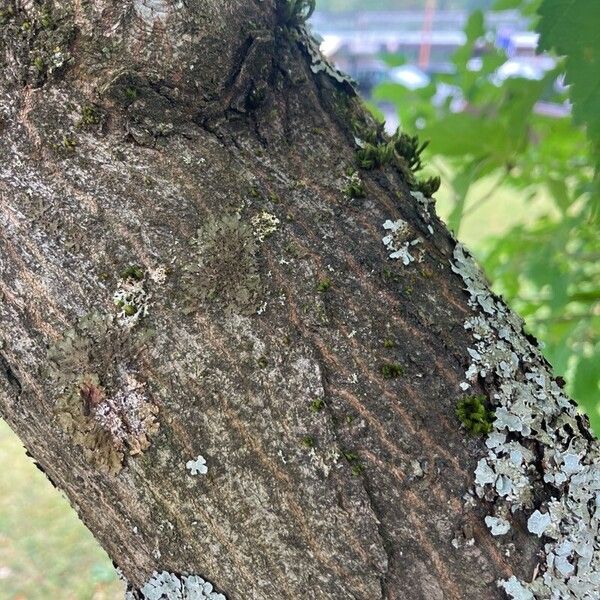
(206, 344)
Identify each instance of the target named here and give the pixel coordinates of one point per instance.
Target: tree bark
(190, 282)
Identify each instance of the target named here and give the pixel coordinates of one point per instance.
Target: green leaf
(571, 28)
(586, 387)
(392, 60)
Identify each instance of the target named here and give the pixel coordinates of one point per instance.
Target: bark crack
(11, 376)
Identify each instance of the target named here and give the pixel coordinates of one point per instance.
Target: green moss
(90, 115)
(356, 466)
(308, 441)
(262, 362)
(357, 469)
(391, 370)
(372, 156)
(387, 343)
(133, 272)
(324, 285)
(131, 94)
(69, 143)
(38, 64)
(6, 15)
(473, 414)
(428, 187)
(317, 405)
(254, 192)
(354, 187)
(129, 310)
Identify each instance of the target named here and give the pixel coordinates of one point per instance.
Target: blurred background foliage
(520, 187)
(492, 138)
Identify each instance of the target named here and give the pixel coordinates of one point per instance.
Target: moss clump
(133, 272)
(308, 441)
(429, 186)
(474, 415)
(324, 285)
(69, 143)
(6, 15)
(372, 156)
(356, 466)
(391, 370)
(317, 405)
(91, 115)
(354, 187)
(387, 343)
(402, 150)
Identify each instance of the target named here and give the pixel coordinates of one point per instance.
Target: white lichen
(320, 64)
(197, 466)
(168, 586)
(264, 224)
(131, 300)
(128, 416)
(532, 411)
(396, 241)
(425, 204)
(497, 525)
(158, 275)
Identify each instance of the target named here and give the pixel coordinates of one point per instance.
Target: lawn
(45, 550)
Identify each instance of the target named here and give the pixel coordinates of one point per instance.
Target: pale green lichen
(532, 412)
(398, 242)
(223, 271)
(169, 586)
(130, 297)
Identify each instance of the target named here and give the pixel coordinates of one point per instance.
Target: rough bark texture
(266, 328)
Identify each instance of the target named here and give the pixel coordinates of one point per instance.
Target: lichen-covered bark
(192, 267)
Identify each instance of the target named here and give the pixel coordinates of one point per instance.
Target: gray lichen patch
(533, 413)
(169, 586)
(223, 270)
(318, 62)
(398, 242)
(197, 466)
(105, 409)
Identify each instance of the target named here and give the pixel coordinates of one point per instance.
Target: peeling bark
(187, 164)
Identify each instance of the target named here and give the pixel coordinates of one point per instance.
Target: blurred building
(356, 41)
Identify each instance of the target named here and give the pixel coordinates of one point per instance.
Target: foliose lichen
(130, 297)
(396, 241)
(106, 410)
(264, 224)
(538, 439)
(197, 466)
(169, 586)
(223, 270)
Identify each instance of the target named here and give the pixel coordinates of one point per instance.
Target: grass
(45, 550)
